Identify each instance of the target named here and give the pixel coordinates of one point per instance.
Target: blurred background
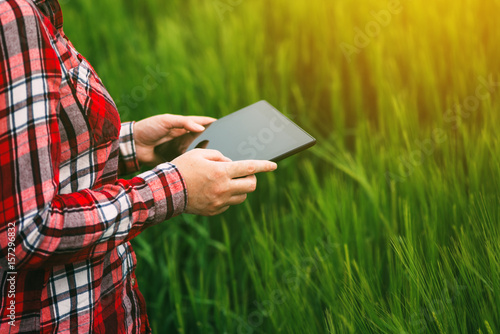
(390, 224)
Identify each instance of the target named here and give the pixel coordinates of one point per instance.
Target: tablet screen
(258, 131)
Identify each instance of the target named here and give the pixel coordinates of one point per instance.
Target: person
(66, 219)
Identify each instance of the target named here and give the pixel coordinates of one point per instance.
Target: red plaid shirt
(66, 263)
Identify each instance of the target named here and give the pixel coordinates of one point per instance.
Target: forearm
(89, 223)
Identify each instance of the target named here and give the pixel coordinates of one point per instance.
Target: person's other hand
(156, 130)
(214, 182)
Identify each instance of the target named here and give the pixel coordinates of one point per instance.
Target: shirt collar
(52, 10)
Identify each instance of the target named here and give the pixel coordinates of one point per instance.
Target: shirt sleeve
(128, 162)
(50, 228)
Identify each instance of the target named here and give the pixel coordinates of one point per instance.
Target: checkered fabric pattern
(62, 148)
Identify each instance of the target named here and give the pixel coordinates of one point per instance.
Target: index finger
(249, 167)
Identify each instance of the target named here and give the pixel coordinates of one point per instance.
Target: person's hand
(156, 130)
(214, 182)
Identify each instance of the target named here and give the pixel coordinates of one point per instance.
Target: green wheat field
(390, 224)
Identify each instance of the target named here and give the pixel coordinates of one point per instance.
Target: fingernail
(200, 127)
(274, 166)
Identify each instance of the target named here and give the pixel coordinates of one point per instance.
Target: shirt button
(132, 281)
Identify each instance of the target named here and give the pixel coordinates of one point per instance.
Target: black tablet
(258, 131)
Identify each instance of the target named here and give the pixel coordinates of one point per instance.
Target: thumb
(193, 126)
